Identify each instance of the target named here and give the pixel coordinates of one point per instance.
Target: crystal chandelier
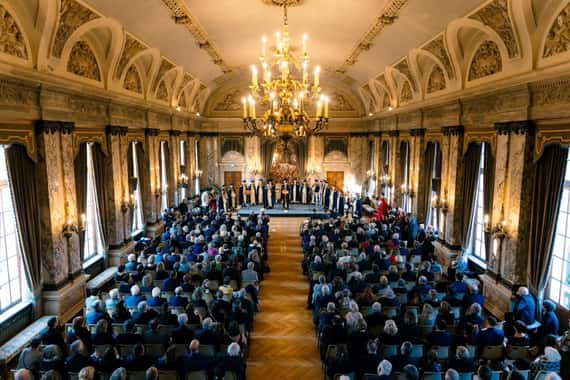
(285, 97)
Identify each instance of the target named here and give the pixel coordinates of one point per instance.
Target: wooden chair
(442, 352)
(126, 349)
(391, 312)
(432, 376)
(338, 375)
(495, 353)
(498, 375)
(389, 350)
(417, 351)
(197, 375)
(207, 350)
(517, 352)
(168, 375)
(136, 375)
(154, 349)
(117, 328)
(465, 376)
(180, 350)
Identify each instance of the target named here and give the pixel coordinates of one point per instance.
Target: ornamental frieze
(495, 15)
(82, 62)
(436, 81)
(14, 94)
(437, 48)
(12, 40)
(132, 48)
(133, 80)
(558, 38)
(404, 68)
(71, 16)
(406, 93)
(486, 61)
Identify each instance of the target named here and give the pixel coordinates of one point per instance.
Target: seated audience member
(132, 301)
(411, 330)
(552, 376)
(472, 296)
(427, 317)
(151, 373)
(474, 315)
(446, 313)
(410, 372)
(368, 363)
(389, 335)
(79, 331)
(168, 361)
(121, 275)
(491, 336)
(166, 317)
(79, 357)
(400, 360)
(520, 337)
(232, 361)
(550, 324)
(193, 360)
(484, 372)
(462, 362)
(143, 315)
(451, 374)
(129, 336)
(153, 336)
(341, 363)
(137, 360)
(31, 356)
(86, 373)
(53, 359)
(549, 361)
(207, 336)
(431, 363)
(102, 334)
(53, 334)
(375, 317)
(182, 334)
(171, 282)
(177, 300)
(97, 313)
(440, 336)
(384, 370)
(524, 307)
(109, 361)
(119, 374)
(23, 374)
(156, 300)
(112, 301)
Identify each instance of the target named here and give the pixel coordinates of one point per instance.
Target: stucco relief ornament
(496, 16)
(486, 61)
(437, 48)
(436, 81)
(406, 94)
(162, 92)
(133, 80)
(558, 39)
(386, 101)
(132, 47)
(82, 62)
(230, 102)
(280, 3)
(339, 103)
(71, 16)
(11, 38)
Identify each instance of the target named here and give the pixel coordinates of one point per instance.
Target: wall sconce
(127, 205)
(385, 180)
(435, 201)
(197, 174)
(443, 205)
(69, 228)
(498, 231)
(183, 181)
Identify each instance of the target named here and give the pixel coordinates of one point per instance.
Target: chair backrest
(126, 349)
(389, 350)
(426, 329)
(442, 352)
(517, 352)
(73, 375)
(197, 375)
(525, 373)
(390, 312)
(180, 350)
(497, 375)
(370, 376)
(136, 375)
(331, 352)
(100, 348)
(472, 350)
(432, 376)
(230, 376)
(466, 376)
(338, 375)
(168, 375)
(154, 349)
(208, 350)
(117, 328)
(493, 353)
(417, 351)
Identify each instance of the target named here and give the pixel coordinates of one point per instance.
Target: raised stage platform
(295, 211)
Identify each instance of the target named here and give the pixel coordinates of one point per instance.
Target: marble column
(151, 201)
(377, 163)
(512, 195)
(417, 149)
(451, 193)
(63, 285)
(191, 163)
(395, 170)
(173, 180)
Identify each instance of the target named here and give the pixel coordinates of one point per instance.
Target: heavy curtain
(403, 159)
(80, 170)
(471, 163)
(488, 188)
(144, 175)
(131, 180)
(301, 152)
(99, 171)
(385, 157)
(547, 191)
(22, 175)
(267, 155)
(429, 157)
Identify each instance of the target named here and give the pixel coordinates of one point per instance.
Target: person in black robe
(249, 194)
(326, 196)
(285, 195)
(264, 194)
(242, 194)
(272, 193)
(258, 190)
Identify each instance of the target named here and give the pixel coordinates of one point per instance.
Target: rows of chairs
(141, 375)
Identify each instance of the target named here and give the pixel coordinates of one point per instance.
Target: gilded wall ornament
(386, 101)
(182, 100)
(132, 47)
(165, 66)
(437, 48)
(436, 81)
(280, 3)
(558, 38)
(162, 91)
(230, 102)
(371, 107)
(387, 16)
(495, 15)
(404, 68)
(486, 61)
(406, 93)
(133, 80)
(13, 94)
(71, 16)
(82, 62)
(11, 37)
(340, 104)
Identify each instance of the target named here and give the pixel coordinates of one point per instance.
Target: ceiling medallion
(280, 3)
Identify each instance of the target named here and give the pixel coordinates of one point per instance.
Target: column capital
(174, 132)
(52, 126)
(417, 132)
(456, 130)
(521, 127)
(394, 133)
(151, 131)
(116, 130)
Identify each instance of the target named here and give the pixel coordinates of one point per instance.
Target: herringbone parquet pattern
(283, 342)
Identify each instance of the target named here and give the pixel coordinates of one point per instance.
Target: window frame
(477, 240)
(93, 234)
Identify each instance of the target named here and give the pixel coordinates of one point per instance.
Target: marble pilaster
(417, 149)
(117, 186)
(451, 183)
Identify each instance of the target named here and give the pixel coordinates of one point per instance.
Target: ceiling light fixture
(286, 99)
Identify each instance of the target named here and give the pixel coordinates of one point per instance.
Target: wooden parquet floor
(283, 344)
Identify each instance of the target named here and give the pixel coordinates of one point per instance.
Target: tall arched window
(137, 194)
(385, 180)
(197, 170)
(477, 239)
(434, 168)
(93, 241)
(163, 176)
(405, 175)
(182, 163)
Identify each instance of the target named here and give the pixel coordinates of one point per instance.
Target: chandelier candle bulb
(305, 38)
(319, 108)
(263, 46)
(326, 107)
(317, 72)
(254, 82)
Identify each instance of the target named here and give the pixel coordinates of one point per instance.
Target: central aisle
(283, 344)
